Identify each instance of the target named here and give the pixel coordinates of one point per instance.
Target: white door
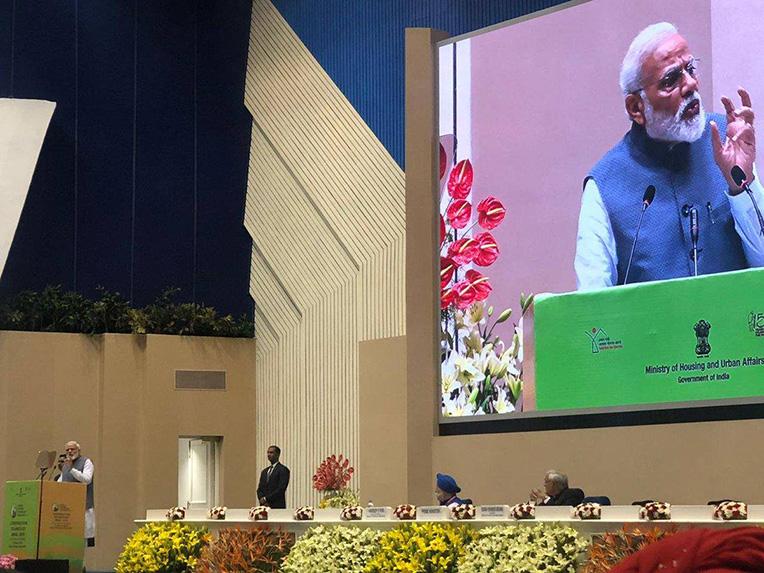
(197, 473)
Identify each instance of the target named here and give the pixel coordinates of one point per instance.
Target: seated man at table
(446, 490)
(556, 491)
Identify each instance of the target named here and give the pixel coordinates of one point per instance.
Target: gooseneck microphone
(741, 180)
(647, 198)
(694, 234)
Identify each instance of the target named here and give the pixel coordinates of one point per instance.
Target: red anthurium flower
(459, 213)
(463, 251)
(479, 283)
(464, 294)
(447, 297)
(447, 268)
(490, 213)
(488, 250)
(443, 160)
(460, 180)
(442, 230)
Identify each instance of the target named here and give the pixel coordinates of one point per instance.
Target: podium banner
(45, 520)
(21, 518)
(697, 339)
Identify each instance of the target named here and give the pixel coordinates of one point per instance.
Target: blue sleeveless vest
(685, 174)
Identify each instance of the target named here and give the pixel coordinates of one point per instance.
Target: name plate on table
(432, 513)
(378, 512)
(493, 512)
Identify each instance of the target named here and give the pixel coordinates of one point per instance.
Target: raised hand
(739, 147)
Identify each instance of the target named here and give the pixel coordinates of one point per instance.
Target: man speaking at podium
(78, 468)
(699, 220)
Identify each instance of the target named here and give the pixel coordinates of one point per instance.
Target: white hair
(642, 46)
(558, 478)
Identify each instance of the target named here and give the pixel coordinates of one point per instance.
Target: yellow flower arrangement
(421, 548)
(162, 548)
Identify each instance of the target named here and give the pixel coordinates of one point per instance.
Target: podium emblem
(702, 328)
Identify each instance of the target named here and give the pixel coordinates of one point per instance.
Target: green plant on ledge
(53, 310)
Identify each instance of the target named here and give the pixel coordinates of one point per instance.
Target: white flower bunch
(351, 513)
(258, 513)
(405, 511)
(217, 512)
(523, 511)
(176, 513)
(304, 513)
(339, 548)
(655, 510)
(551, 548)
(463, 511)
(587, 511)
(731, 510)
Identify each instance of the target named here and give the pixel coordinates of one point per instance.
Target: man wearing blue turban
(446, 490)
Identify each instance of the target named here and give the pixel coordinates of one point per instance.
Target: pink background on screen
(546, 105)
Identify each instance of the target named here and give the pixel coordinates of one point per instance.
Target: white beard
(666, 127)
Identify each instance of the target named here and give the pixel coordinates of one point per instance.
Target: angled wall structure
(326, 213)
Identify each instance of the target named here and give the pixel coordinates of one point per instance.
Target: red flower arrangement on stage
(334, 473)
(332, 478)
(481, 374)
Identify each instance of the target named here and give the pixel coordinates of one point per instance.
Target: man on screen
(688, 156)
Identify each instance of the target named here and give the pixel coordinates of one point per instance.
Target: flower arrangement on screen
(480, 372)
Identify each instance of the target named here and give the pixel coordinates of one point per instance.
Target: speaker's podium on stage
(664, 344)
(44, 525)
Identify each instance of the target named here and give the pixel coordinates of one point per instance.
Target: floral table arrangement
(463, 511)
(351, 513)
(176, 513)
(421, 547)
(544, 547)
(258, 549)
(331, 479)
(7, 561)
(523, 511)
(217, 512)
(587, 511)
(731, 511)
(405, 512)
(259, 513)
(609, 549)
(338, 548)
(304, 513)
(163, 546)
(655, 511)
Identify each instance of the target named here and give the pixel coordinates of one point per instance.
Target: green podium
(45, 520)
(671, 343)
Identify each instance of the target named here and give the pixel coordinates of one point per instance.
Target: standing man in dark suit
(274, 479)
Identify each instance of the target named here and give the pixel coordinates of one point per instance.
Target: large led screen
(553, 130)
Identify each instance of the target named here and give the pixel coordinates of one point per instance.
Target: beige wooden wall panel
(326, 212)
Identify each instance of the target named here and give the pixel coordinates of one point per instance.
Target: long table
(613, 518)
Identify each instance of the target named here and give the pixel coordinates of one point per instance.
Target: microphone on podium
(694, 236)
(741, 180)
(647, 198)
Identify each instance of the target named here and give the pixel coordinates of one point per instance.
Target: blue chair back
(601, 499)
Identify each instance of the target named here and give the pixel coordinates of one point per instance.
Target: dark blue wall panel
(104, 138)
(164, 215)
(141, 180)
(44, 68)
(361, 45)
